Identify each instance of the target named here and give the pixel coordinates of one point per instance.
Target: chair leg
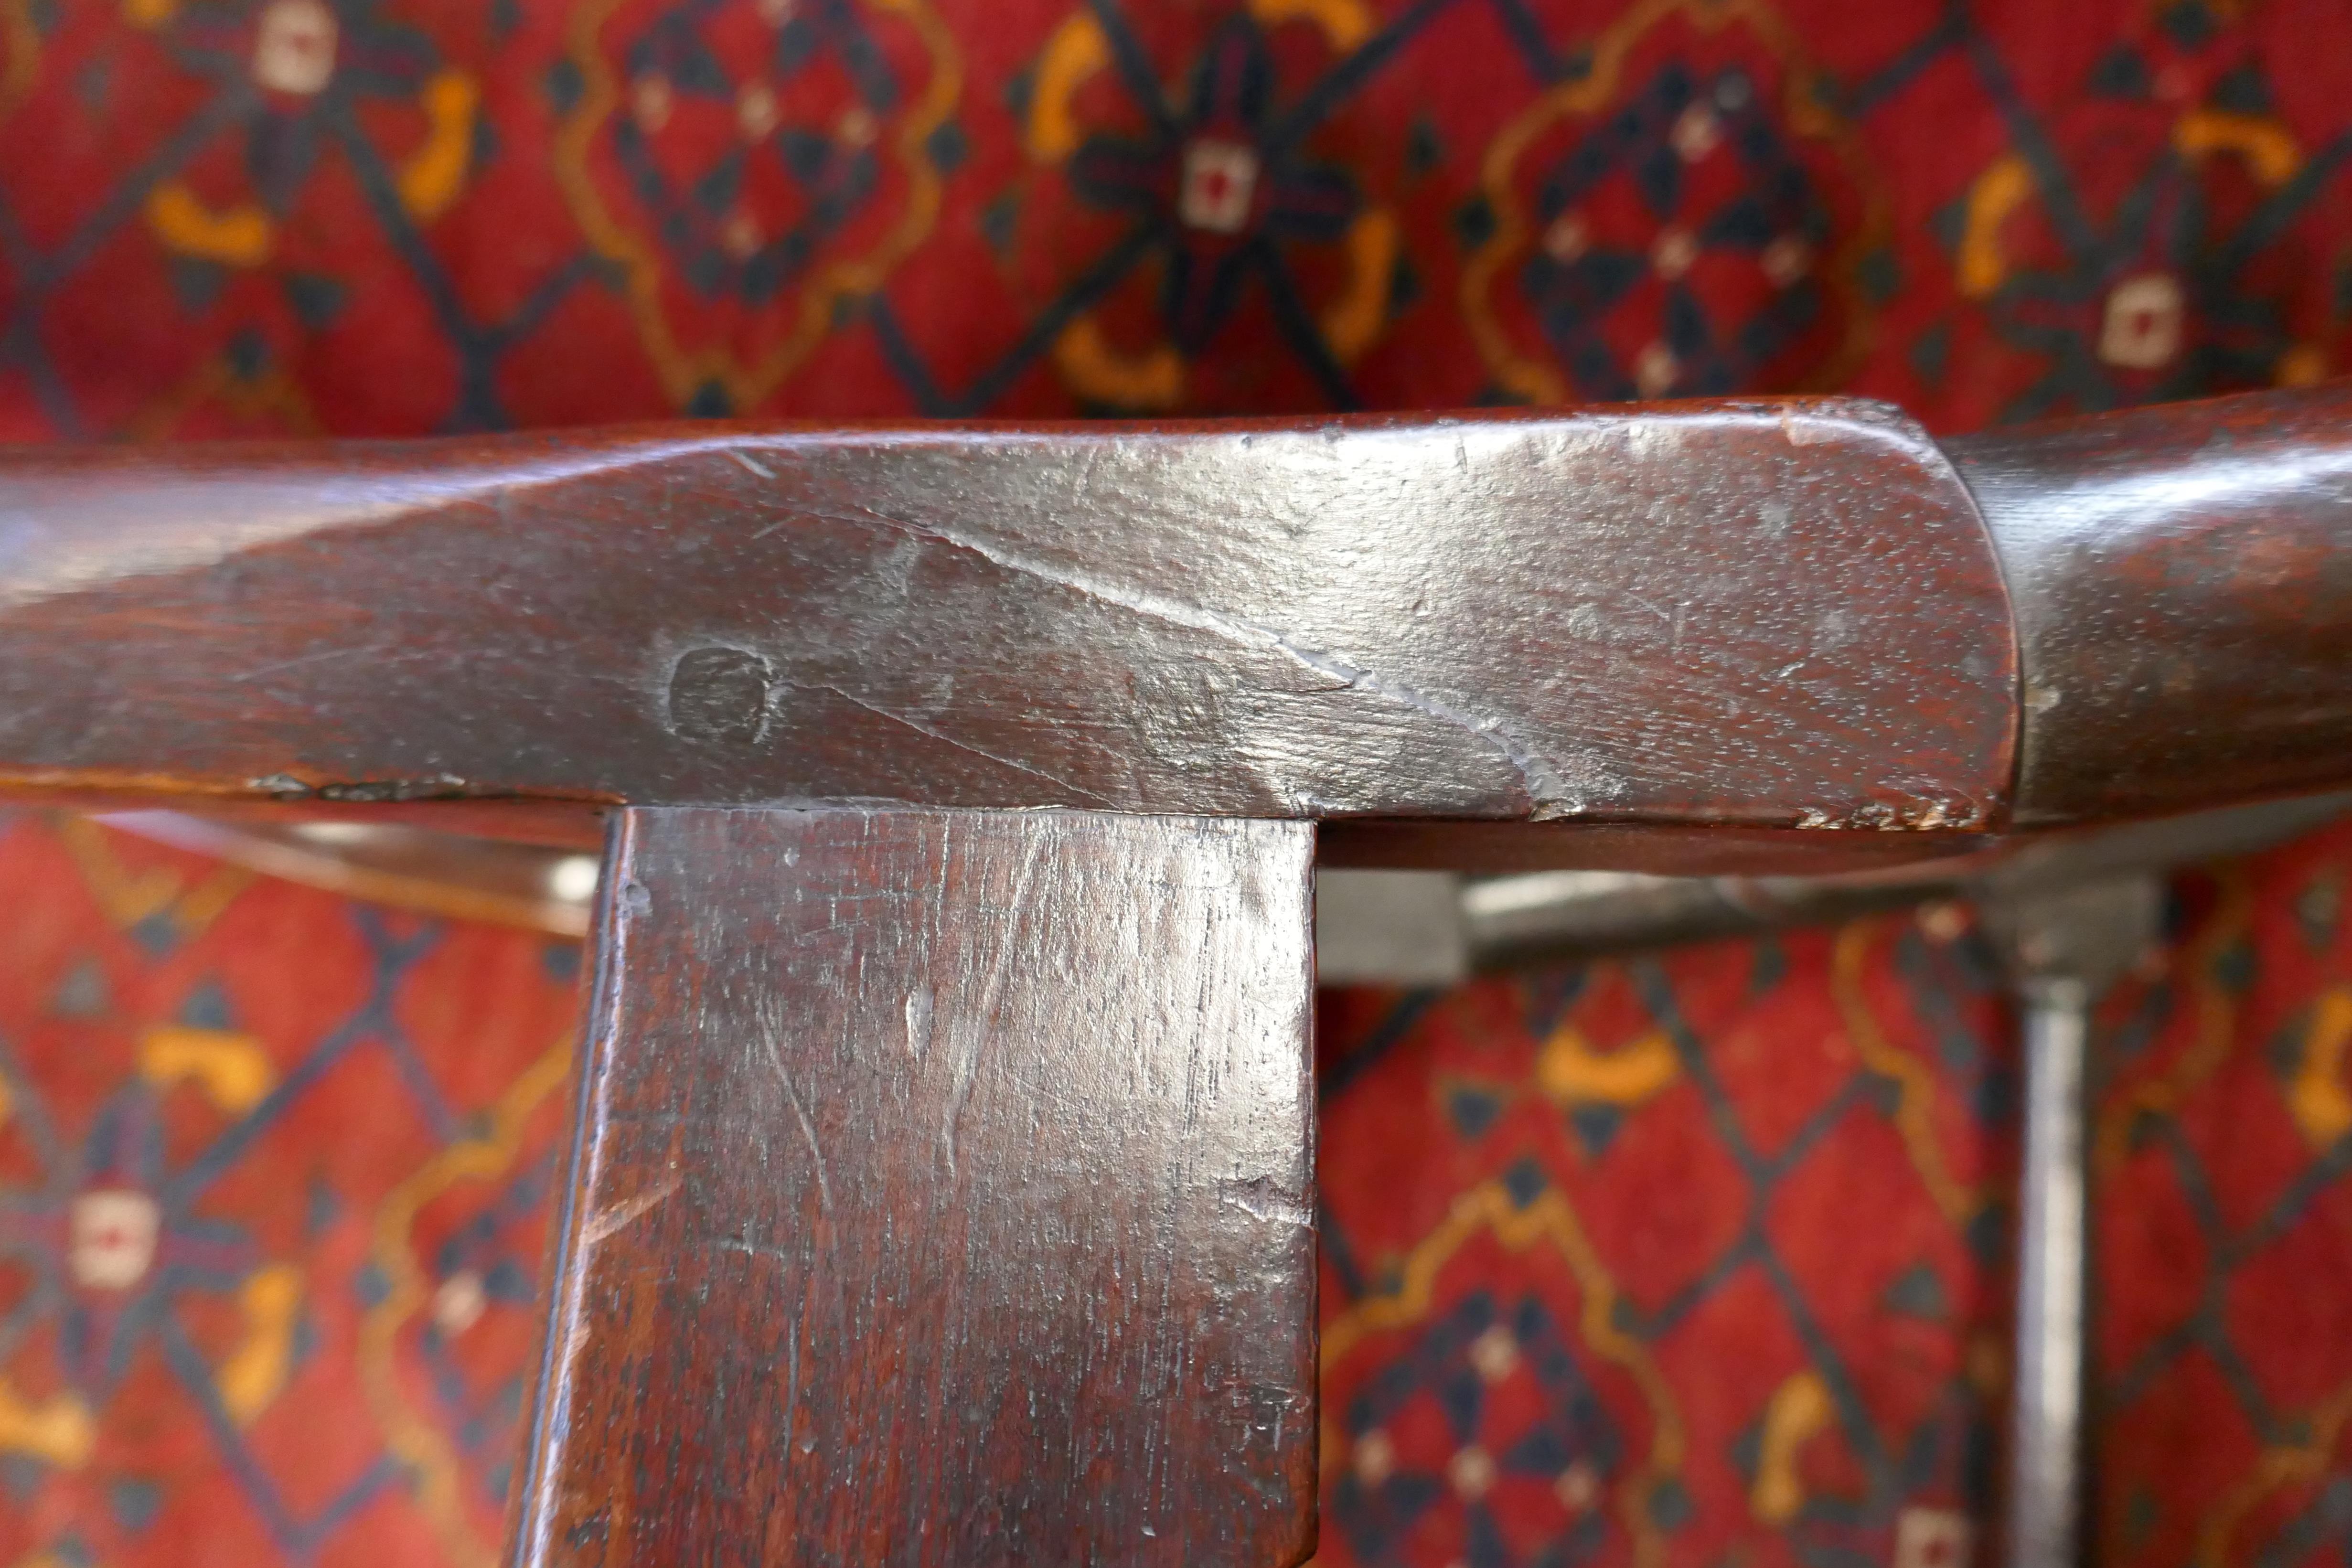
(943, 1196)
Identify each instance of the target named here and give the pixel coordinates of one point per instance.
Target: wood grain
(1767, 614)
(944, 1197)
(2183, 586)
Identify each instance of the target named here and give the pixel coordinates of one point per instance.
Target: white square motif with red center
(114, 1238)
(1933, 1538)
(1219, 179)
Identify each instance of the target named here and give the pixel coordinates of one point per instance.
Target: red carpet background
(1698, 1258)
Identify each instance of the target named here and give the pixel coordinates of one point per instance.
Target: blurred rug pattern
(275, 1177)
(1703, 1257)
(1698, 1258)
(399, 216)
(1692, 1258)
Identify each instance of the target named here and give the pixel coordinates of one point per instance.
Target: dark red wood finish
(2183, 581)
(943, 1194)
(944, 1197)
(1767, 614)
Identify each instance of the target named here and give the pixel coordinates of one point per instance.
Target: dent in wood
(720, 695)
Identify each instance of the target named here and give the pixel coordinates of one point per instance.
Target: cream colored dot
(857, 127)
(1472, 1471)
(112, 1236)
(1655, 370)
(1374, 1457)
(1786, 259)
(1673, 252)
(1494, 1354)
(755, 110)
(1566, 238)
(459, 1304)
(1944, 921)
(294, 48)
(650, 100)
(2144, 323)
(1216, 185)
(572, 879)
(1933, 1538)
(1579, 1487)
(775, 13)
(1696, 132)
(741, 235)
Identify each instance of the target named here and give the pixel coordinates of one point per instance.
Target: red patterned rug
(1684, 1258)
(1698, 1258)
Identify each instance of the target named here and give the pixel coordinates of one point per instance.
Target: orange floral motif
(292, 54)
(753, 166)
(1209, 201)
(1684, 218)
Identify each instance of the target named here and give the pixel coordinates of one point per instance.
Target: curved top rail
(1762, 614)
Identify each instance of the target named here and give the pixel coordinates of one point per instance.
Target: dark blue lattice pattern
(820, 179)
(1575, 285)
(1456, 1385)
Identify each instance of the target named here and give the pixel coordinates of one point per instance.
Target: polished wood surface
(1752, 635)
(943, 1192)
(944, 1197)
(1770, 615)
(2183, 580)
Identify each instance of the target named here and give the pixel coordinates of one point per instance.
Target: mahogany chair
(943, 1184)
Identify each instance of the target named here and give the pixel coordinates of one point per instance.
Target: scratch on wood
(1802, 430)
(918, 1022)
(318, 658)
(1098, 1328)
(992, 997)
(752, 463)
(943, 738)
(799, 1115)
(1262, 1199)
(626, 1212)
(1555, 787)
